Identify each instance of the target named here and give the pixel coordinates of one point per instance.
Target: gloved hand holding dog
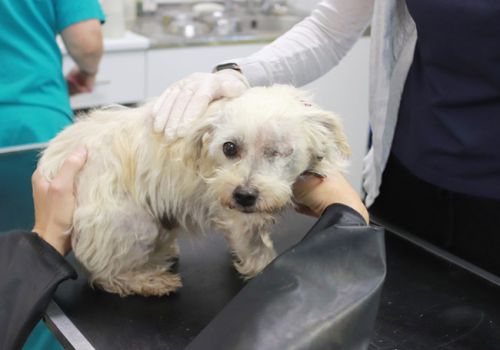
(188, 98)
(313, 194)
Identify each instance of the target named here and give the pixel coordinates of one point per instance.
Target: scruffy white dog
(233, 170)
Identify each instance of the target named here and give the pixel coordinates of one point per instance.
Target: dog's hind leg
(154, 278)
(166, 248)
(252, 249)
(116, 246)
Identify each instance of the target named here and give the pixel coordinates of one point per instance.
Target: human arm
(312, 47)
(84, 43)
(30, 270)
(304, 53)
(32, 263)
(78, 22)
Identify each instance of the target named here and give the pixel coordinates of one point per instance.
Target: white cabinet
(120, 80)
(121, 76)
(166, 66)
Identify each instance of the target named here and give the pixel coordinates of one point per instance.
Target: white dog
(233, 171)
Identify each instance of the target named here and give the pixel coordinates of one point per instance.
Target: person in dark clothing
(32, 264)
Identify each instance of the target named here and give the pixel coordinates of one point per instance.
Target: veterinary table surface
(429, 301)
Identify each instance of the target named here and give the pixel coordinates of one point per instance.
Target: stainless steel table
(430, 300)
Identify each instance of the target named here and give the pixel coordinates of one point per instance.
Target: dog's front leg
(252, 249)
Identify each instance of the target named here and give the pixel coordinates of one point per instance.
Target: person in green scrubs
(34, 94)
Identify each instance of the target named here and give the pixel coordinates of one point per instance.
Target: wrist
(88, 73)
(57, 245)
(59, 242)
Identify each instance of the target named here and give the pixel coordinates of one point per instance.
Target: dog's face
(252, 148)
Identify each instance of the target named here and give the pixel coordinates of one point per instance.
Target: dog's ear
(326, 138)
(196, 140)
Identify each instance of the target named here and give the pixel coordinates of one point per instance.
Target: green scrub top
(34, 100)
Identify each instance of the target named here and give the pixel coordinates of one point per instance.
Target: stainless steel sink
(178, 25)
(186, 25)
(267, 23)
(190, 26)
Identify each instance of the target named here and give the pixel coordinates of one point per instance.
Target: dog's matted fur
(232, 170)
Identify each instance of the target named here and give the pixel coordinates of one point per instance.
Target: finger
(38, 182)
(162, 108)
(302, 209)
(65, 178)
(205, 93)
(160, 118)
(89, 84)
(71, 86)
(176, 118)
(305, 183)
(198, 105)
(231, 83)
(232, 88)
(71, 79)
(160, 101)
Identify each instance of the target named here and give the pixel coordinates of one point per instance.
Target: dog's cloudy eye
(230, 149)
(274, 153)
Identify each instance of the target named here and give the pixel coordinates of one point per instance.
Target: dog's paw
(155, 282)
(159, 285)
(253, 265)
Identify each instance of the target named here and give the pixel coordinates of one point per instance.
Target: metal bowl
(186, 25)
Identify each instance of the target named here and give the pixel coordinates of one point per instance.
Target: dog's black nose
(245, 196)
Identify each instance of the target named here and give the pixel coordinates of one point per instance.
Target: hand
(79, 81)
(55, 202)
(313, 194)
(189, 98)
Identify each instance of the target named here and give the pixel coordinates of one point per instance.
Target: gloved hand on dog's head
(189, 98)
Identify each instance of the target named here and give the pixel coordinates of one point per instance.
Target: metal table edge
(436, 251)
(64, 330)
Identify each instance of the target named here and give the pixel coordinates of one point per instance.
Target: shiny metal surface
(180, 25)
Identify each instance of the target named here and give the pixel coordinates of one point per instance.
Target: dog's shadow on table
(209, 282)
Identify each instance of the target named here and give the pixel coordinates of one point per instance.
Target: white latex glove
(188, 98)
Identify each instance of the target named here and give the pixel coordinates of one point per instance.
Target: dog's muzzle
(246, 197)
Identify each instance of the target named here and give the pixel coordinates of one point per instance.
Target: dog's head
(251, 149)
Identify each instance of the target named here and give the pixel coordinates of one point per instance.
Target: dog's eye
(271, 153)
(230, 149)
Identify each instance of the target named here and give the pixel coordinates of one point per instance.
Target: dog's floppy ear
(196, 139)
(327, 140)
